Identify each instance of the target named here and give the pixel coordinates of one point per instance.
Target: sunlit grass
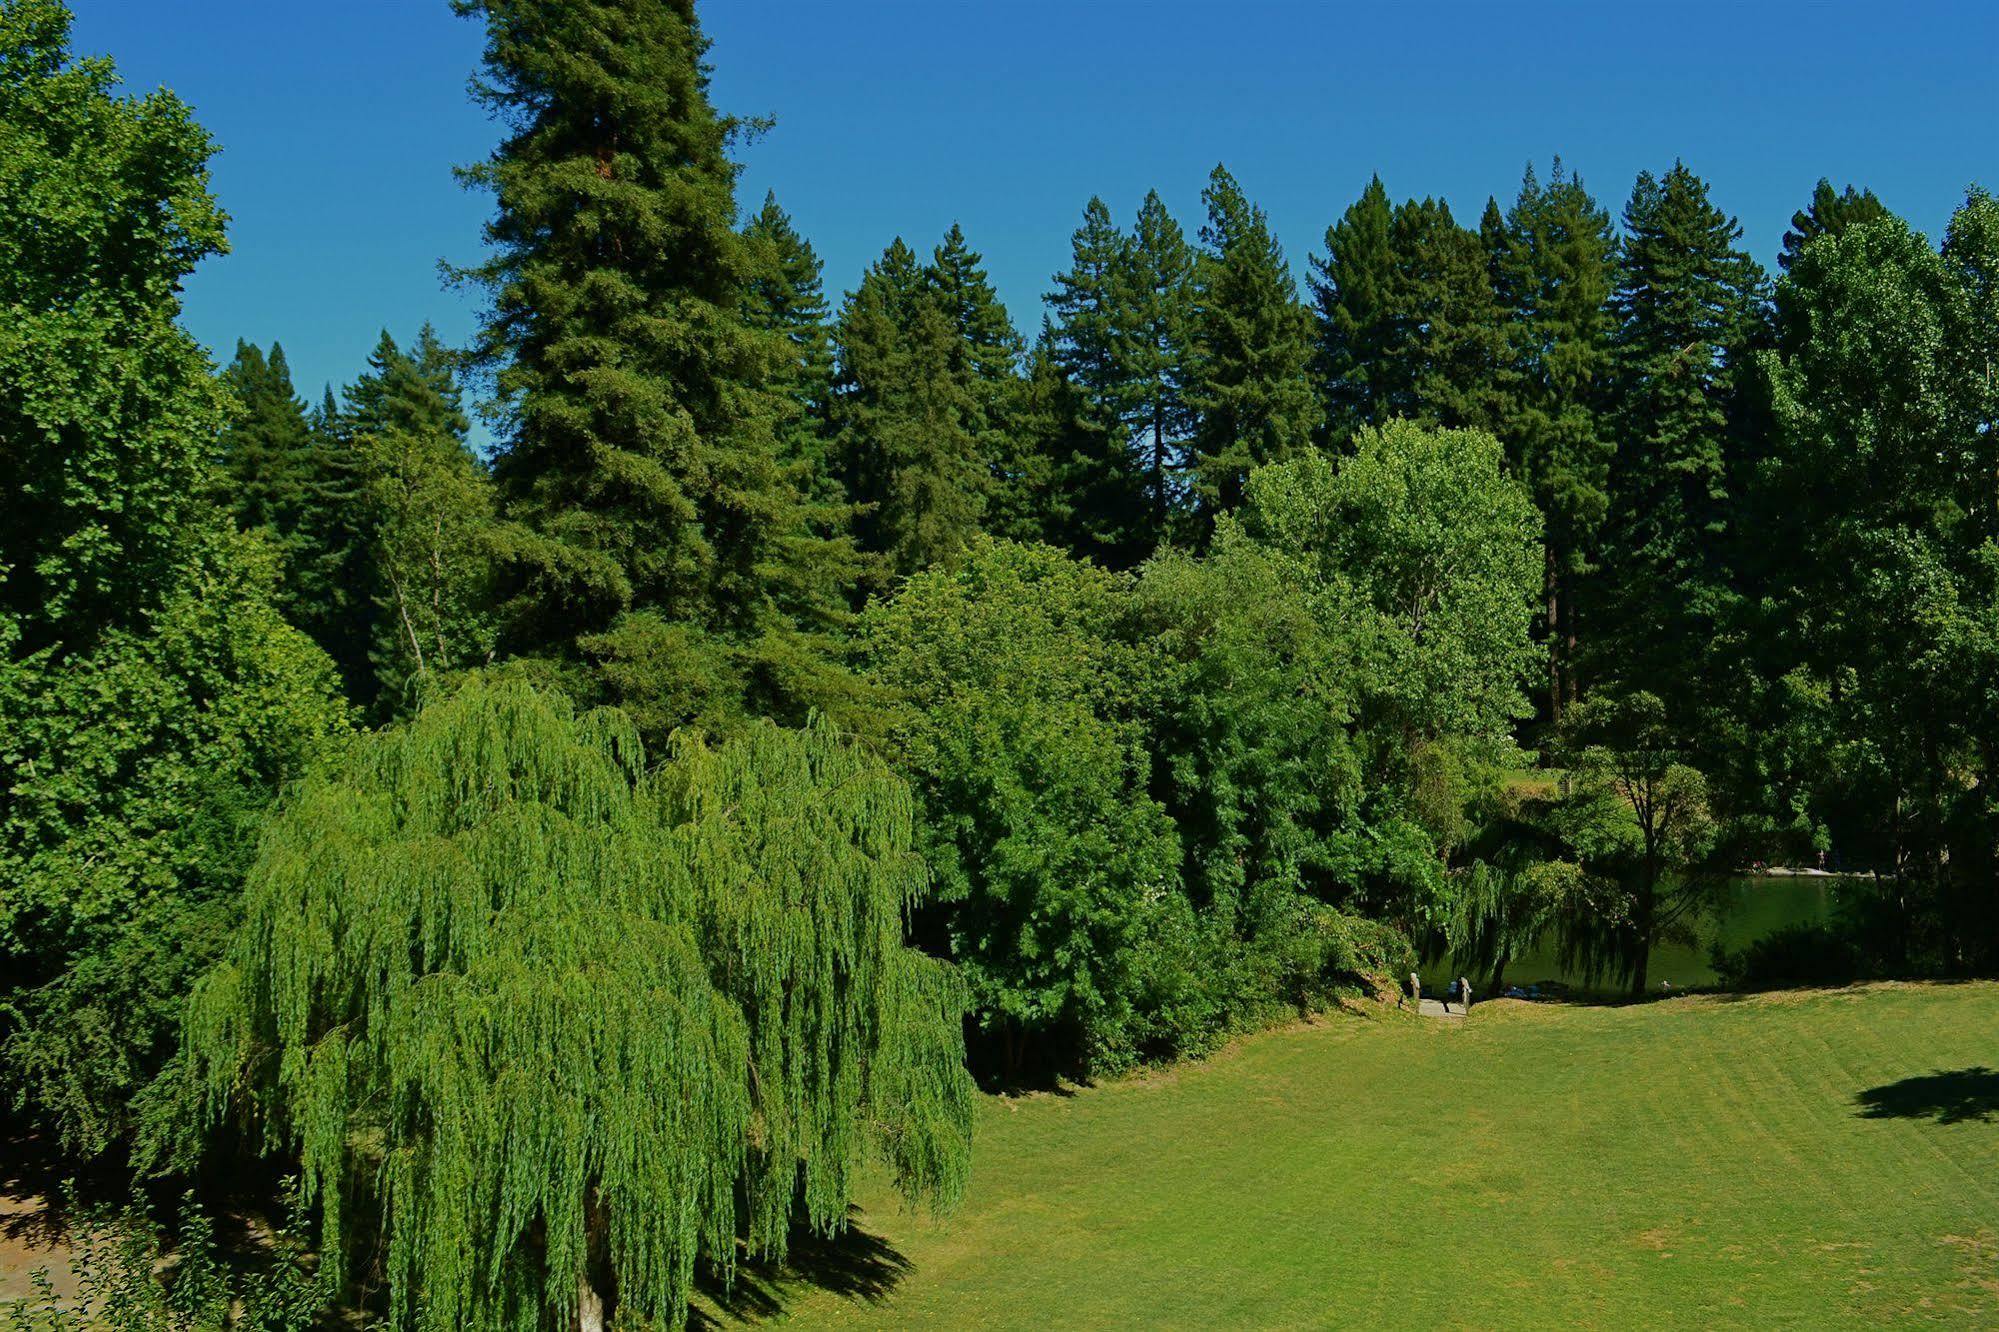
(1786, 1159)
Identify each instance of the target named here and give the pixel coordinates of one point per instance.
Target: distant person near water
(1464, 994)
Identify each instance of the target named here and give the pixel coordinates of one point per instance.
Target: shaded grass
(1827, 1159)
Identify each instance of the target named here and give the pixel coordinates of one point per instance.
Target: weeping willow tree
(1502, 911)
(575, 1028)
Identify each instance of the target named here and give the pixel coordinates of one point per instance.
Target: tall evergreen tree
(663, 553)
(1031, 499)
(1408, 322)
(909, 447)
(292, 475)
(1689, 304)
(1556, 267)
(986, 356)
(1159, 289)
(988, 348)
(787, 297)
(1251, 347)
(1351, 288)
(1101, 475)
(1830, 213)
(1454, 328)
(265, 446)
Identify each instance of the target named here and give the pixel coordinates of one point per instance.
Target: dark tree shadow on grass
(855, 1265)
(1966, 1095)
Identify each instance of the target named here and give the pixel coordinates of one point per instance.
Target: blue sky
(339, 122)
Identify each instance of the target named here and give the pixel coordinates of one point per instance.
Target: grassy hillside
(1822, 1159)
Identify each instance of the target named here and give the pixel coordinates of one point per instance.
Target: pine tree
(570, 1028)
(988, 347)
(1556, 268)
(1251, 347)
(431, 513)
(1409, 324)
(1159, 290)
(1829, 214)
(1689, 304)
(986, 356)
(265, 445)
(1351, 287)
(662, 553)
(1101, 475)
(1454, 327)
(909, 449)
(293, 475)
(788, 298)
(1030, 499)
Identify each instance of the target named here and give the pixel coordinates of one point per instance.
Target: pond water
(1746, 909)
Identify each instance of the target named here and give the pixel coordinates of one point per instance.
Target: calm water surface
(1747, 909)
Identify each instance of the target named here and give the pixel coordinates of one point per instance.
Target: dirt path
(27, 1242)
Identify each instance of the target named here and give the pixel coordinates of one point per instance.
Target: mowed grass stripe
(1692, 1162)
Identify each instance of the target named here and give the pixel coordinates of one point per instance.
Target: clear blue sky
(339, 121)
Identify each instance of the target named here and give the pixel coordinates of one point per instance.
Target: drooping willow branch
(574, 1026)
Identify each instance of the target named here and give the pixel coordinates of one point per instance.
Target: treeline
(581, 859)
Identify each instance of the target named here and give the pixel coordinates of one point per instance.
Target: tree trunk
(1647, 906)
(589, 1307)
(1572, 684)
(1551, 587)
(596, 1285)
(1498, 987)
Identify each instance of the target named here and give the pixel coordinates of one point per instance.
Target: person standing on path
(1416, 991)
(1464, 994)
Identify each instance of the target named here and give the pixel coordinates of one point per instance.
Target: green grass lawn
(1792, 1159)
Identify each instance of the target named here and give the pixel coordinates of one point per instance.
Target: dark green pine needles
(664, 551)
(1251, 344)
(584, 1027)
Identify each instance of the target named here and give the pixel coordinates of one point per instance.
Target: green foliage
(1253, 704)
(1831, 212)
(429, 515)
(151, 699)
(108, 413)
(1554, 266)
(1021, 732)
(1249, 345)
(909, 418)
(1409, 324)
(1256, 758)
(1636, 810)
(1503, 910)
(788, 297)
(641, 463)
(1433, 549)
(1101, 478)
(574, 1028)
(1160, 347)
(131, 1277)
(297, 479)
(137, 774)
(1690, 306)
(1557, 270)
(1876, 573)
